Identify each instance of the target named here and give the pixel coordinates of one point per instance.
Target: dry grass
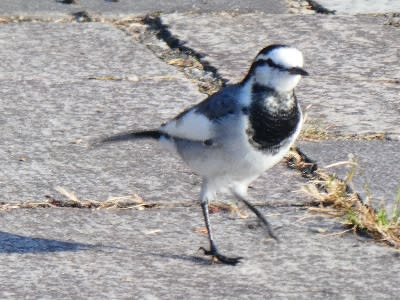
(317, 131)
(313, 131)
(134, 201)
(334, 197)
(189, 62)
(71, 200)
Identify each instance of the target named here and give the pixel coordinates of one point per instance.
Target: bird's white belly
(229, 166)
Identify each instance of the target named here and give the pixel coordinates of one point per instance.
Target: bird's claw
(222, 258)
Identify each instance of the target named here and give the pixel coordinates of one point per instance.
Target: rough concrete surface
(133, 7)
(361, 6)
(50, 147)
(66, 83)
(153, 254)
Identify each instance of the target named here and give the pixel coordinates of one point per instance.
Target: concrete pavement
(65, 82)
(121, 8)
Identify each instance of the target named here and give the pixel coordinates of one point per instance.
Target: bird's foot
(221, 258)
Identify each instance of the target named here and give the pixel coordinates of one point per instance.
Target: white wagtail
(236, 134)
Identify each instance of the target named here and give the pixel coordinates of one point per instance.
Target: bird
(237, 133)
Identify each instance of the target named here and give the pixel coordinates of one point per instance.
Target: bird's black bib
(268, 127)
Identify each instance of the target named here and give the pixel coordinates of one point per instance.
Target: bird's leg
(257, 213)
(213, 247)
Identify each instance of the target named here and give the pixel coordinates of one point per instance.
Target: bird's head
(279, 67)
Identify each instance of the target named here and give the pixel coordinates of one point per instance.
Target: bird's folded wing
(191, 126)
(199, 123)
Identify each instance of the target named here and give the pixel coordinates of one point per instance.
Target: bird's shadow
(198, 260)
(189, 258)
(14, 243)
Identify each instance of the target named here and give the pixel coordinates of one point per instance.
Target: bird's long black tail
(125, 136)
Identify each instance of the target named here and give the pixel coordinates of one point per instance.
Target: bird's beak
(298, 71)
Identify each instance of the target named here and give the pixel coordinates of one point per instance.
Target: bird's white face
(280, 69)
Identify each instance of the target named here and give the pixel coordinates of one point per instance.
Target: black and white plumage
(236, 134)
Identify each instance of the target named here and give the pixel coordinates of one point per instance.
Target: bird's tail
(125, 136)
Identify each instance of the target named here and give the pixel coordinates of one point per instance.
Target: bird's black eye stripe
(271, 63)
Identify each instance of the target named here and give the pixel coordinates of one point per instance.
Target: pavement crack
(320, 9)
(163, 33)
(158, 38)
(82, 16)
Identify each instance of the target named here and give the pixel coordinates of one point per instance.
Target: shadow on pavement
(14, 243)
(194, 259)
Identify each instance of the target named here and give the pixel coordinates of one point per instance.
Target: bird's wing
(199, 122)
